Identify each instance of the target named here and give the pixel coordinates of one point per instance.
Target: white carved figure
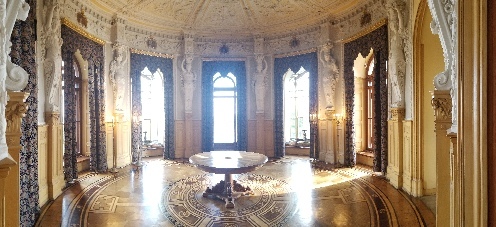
(396, 63)
(12, 76)
(118, 76)
(189, 80)
(330, 75)
(260, 81)
(52, 55)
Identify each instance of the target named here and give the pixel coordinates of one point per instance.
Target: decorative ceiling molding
(227, 18)
(364, 31)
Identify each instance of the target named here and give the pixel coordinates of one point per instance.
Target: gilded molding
(151, 53)
(364, 31)
(329, 114)
(397, 113)
(442, 108)
(295, 53)
(14, 111)
(81, 31)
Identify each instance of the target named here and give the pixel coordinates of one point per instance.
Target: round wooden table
(228, 163)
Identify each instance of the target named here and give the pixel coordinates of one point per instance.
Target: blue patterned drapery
(281, 66)
(23, 54)
(378, 41)
(138, 64)
(93, 53)
(209, 69)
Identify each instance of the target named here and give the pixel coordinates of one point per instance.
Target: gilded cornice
(81, 31)
(295, 53)
(151, 53)
(365, 31)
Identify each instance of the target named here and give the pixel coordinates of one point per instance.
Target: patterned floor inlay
(287, 192)
(272, 203)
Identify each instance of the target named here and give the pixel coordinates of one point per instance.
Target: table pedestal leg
(228, 190)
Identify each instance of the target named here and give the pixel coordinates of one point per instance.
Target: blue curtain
(93, 53)
(281, 65)
(138, 63)
(378, 41)
(209, 69)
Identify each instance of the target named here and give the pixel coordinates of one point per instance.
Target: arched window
(152, 101)
(296, 106)
(225, 114)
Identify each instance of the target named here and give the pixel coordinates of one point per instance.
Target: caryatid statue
(189, 80)
(52, 60)
(260, 81)
(330, 75)
(118, 76)
(396, 63)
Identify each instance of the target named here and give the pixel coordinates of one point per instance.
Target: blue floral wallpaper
(23, 54)
(377, 40)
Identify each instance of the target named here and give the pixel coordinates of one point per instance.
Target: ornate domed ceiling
(227, 17)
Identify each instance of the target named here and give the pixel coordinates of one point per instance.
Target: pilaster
(395, 147)
(188, 123)
(14, 111)
(456, 186)
(55, 176)
(441, 103)
(260, 128)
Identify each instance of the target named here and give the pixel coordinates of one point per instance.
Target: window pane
(224, 119)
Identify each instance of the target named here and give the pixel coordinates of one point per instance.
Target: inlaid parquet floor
(286, 192)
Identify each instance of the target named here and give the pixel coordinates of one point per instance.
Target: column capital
(442, 105)
(15, 110)
(52, 118)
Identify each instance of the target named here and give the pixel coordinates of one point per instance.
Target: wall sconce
(338, 118)
(137, 119)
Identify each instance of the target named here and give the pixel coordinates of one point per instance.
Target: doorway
(223, 106)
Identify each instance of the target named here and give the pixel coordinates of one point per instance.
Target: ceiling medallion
(224, 49)
(81, 18)
(295, 42)
(151, 43)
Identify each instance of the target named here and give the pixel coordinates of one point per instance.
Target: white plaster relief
(444, 23)
(349, 24)
(189, 81)
(260, 81)
(330, 74)
(213, 48)
(119, 76)
(51, 44)
(10, 11)
(164, 45)
(282, 45)
(99, 22)
(397, 45)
